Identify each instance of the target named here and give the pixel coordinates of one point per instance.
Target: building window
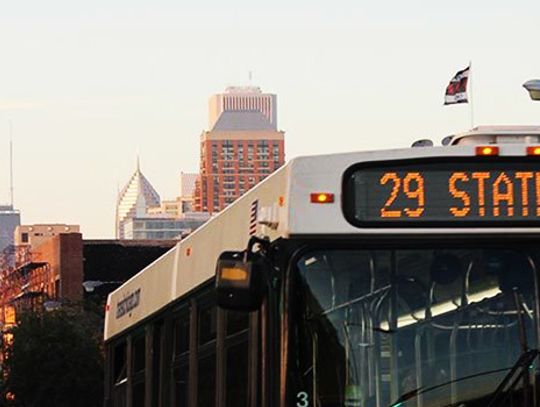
(24, 237)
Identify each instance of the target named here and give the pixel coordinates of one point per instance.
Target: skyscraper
(9, 219)
(134, 200)
(242, 147)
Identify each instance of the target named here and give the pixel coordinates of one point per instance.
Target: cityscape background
(88, 87)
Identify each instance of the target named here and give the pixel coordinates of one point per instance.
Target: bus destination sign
(469, 193)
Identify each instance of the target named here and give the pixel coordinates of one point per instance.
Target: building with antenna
(242, 147)
(10, 218)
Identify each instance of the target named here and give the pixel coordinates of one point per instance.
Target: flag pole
(471, 92)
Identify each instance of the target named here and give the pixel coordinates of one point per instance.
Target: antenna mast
(11, 162)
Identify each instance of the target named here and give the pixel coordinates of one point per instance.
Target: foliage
(56, 360)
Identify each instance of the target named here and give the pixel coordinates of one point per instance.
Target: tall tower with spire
(10, 217)
(134, 200)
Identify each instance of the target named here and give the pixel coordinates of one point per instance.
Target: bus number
(302, 399)
(413, 188)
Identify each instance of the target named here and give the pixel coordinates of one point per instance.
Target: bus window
(181, 348)
(207, 324)
(120, 374)
(138, 359)
(120, 363)
(445, 329)
(181, 385)
(138, 354)
(206, 381)
(236, 359)
(237, 322)
(157, 363)
(138, 394)
(206, 355)
(181, 334)
(237, 377)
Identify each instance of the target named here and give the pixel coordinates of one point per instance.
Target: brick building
(242, 147)
(52, 269)
(32, 276)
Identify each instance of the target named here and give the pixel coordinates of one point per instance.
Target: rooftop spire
(11, 162)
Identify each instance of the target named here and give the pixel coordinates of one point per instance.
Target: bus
(403, 277)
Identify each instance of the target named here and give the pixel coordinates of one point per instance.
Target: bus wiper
(509, 382)
(521, 366)
(421, 390)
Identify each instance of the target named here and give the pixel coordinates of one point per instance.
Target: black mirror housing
(240, 282)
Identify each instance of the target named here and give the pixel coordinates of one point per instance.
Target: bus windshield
(431, 327)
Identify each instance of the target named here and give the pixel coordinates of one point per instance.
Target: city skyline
(86, 87)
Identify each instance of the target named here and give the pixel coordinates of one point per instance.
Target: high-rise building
(187, 191)
(242, 147)
(134, 200)
(9, 219)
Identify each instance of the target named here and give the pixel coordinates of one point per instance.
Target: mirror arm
(264, 245)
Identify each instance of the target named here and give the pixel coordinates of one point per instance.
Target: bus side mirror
(240, 282)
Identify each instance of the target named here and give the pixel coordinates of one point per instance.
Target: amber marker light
(533, 150)
(322, 197)
(234, 274)
(487, 150)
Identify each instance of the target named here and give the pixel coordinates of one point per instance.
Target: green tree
(56, 360)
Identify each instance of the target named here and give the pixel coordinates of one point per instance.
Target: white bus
(404, 277)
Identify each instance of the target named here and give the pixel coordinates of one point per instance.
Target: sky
(87, 86)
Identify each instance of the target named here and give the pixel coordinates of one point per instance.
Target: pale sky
(89, 84)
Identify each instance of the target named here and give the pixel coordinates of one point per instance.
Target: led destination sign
(467, 193)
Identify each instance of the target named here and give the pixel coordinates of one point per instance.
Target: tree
(56, 360)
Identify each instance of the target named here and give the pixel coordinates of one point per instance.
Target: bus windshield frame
(448, 273)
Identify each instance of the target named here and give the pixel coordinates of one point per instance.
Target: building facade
(9, 219)
(51, 271)
(33, 275)
(243, 99)
(187, 191)
(34, 235)
(155, 228)
(242, 147)
(135, 199)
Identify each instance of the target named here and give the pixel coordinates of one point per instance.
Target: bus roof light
(487, 150)
(533, 150)
(322, 197)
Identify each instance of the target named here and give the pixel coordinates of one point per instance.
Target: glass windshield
(413, 327)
